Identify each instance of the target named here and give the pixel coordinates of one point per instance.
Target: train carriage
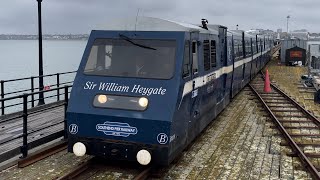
(145, 90)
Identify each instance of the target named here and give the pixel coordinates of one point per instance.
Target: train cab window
(194, 57)
(186, 60)
(149, 58)
(206, 55)
(213, 53)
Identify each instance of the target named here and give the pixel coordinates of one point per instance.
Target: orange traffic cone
(267, 87)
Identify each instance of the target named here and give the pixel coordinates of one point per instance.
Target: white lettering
(135, 88)
(138, 89)
(163, 92)
(162, 139)
(150, 91)
(125, 89)
(102, 86)
(89, 85)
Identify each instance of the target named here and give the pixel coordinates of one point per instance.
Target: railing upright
(58, 85)
(32, 90)
(2, 96)
(66, 97)
(24, 147)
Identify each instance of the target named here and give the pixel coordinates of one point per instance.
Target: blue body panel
(174, 116)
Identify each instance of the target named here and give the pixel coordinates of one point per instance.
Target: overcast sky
(79, 16)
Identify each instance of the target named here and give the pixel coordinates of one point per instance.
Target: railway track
(299, 127)
(98, 168)
(92, 167)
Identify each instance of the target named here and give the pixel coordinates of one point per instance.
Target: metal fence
(24, 99)
(11, 88)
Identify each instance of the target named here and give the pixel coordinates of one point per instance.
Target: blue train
(144, 93)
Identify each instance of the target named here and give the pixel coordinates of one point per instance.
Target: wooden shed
(295, 56)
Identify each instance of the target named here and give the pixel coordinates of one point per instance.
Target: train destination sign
(115, 87)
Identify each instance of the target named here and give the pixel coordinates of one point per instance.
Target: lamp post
(41, 97)
(288, 24)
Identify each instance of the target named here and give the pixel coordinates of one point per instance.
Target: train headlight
(143, 102)
(143, 157)
(79, 149)
(102, 99)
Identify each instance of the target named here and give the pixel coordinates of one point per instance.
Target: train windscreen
(139, 58)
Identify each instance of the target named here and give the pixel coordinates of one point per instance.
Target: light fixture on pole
(41, 97)
(288, 17)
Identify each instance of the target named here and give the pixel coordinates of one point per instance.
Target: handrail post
(2, 96)
(58, 85)
(24, 147)
(66, 99)
(32, 90)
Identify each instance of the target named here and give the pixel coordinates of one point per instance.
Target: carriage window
(194, 57)
(238, 49)
(206, 55)
(213, 54)
(248, 48)
(243, 70)
(186, 60)
(154, 59)
(254, 48)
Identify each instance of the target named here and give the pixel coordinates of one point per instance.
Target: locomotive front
(124, 96)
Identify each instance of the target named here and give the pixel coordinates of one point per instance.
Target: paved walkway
(239, 144)
(288, 78)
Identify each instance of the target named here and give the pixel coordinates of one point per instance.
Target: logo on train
(116, 129)
(162, 138)
(73, 129)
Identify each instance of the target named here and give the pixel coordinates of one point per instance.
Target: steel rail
(77, 170)
(144, 174)
(306, 162)
(42, 154)
(295, 103)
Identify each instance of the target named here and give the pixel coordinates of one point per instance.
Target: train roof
(142, 23)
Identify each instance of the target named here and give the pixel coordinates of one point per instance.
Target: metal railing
(32, 89)
(24, 115)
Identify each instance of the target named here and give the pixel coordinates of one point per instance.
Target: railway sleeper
(310, 155)
(301, 144)
(296, 127)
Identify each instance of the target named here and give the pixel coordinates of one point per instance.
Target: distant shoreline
(45, 37)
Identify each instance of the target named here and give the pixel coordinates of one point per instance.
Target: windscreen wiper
(136, 44)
